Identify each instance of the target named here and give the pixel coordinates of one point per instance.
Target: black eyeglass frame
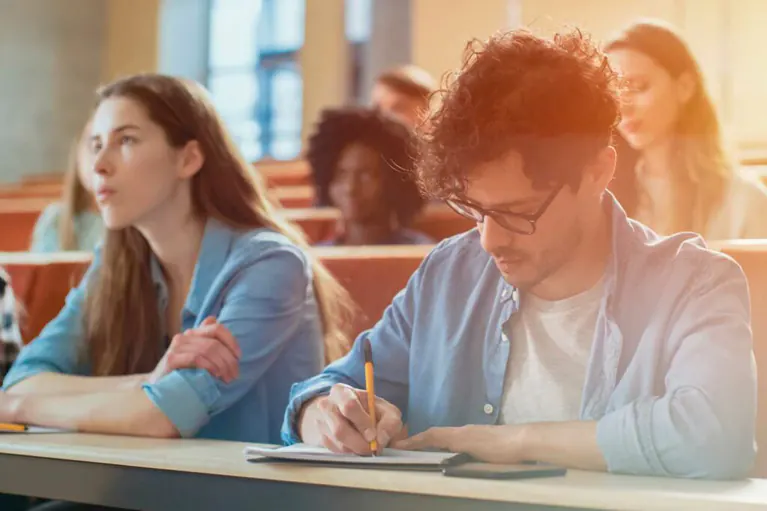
(501, 216)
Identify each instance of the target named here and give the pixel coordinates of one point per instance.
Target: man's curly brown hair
(552, 100)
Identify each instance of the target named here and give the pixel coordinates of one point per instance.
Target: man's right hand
(340, 421)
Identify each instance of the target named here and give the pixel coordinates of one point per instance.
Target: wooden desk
(154, 474)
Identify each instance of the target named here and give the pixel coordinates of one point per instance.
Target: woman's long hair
(702, 172)
(74, 198)
(122, 324)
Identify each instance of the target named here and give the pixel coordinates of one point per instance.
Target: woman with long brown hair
(201, 308)
(73, 223)
(672, 173)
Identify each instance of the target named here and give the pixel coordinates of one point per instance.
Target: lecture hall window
(357, 23)
(254, 74)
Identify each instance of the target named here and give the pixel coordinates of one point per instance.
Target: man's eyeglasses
(519, 223)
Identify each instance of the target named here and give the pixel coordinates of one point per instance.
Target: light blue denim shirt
(259, 285)
(671, 377)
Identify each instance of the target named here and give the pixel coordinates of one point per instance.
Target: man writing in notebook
(559, 330)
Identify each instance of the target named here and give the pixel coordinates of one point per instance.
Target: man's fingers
(349, 404)
(329, 442)
(417, 442)
(210, 320)
(388, 427)
(341, 430)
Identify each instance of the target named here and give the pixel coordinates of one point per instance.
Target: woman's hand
(211, 346)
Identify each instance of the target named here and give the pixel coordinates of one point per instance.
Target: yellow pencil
(4, 426)
(370, 388)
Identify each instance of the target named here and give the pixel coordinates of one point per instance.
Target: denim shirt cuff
(300, 393)
(180, 402)
(626, 443)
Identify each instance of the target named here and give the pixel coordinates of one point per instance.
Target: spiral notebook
(390, 458)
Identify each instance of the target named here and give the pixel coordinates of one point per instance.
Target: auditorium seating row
(18, 217)
(372, 275)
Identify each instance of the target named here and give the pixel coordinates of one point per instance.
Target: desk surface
(577, 489)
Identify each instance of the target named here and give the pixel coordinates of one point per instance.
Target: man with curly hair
(362, 163)
(559, 330)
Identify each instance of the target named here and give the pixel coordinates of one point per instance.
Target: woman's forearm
(56, 383)
(127, 412)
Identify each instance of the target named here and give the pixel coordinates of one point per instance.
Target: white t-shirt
(549, 354)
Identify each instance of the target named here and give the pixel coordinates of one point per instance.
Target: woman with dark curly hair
(361, 164)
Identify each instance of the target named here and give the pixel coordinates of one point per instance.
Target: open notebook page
(307, 453)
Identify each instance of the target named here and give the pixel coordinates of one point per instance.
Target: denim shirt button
(488, 409)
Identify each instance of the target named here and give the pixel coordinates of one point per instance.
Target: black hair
(342, 127)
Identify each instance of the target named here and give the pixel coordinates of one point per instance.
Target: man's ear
(685, 86)
(600, 171)
(191, 159)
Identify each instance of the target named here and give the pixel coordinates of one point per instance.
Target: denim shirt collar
(216, 244)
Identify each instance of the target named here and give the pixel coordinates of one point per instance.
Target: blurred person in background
(361, 164)
(673, 174)
(403, 93)
(73, 223)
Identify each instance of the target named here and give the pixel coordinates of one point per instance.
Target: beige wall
(440, 29)
(748, 72)
(726, 36)
(324, 60)
(132, 37)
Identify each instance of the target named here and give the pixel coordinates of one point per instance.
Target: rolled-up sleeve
(263, 306)
(703, 426)
(59, 347)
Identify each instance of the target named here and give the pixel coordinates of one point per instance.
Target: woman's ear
(685, 86)
(191, 159)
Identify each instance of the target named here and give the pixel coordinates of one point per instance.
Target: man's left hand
(492, 444)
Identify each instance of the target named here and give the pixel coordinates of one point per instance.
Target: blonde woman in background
(678, 177)
(74, 222)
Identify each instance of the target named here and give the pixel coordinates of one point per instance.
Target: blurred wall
(324, 60)
(54, 53)
(51, 60)
(132, 35)
(726, 36)
(441, 29)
